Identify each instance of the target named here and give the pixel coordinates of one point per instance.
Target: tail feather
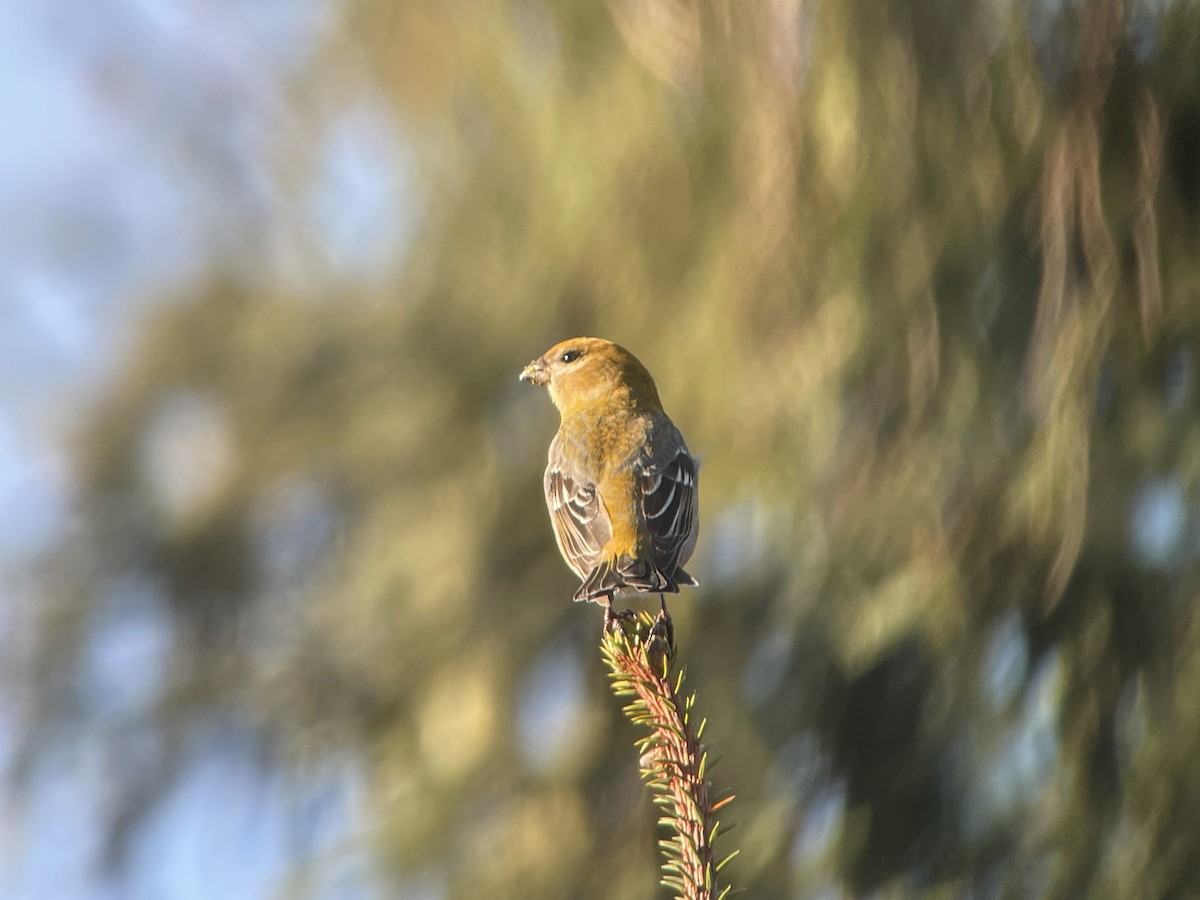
(625, 573)
(683, 579)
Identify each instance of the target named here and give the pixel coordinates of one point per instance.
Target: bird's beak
(535, 373)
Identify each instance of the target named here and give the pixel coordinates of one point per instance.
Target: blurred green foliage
(918, 282)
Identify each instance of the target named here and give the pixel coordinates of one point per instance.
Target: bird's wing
(581, 525)
(669, 501)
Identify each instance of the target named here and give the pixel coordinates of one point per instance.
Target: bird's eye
(571, 355)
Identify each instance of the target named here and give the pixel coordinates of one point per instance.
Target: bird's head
(581, 370)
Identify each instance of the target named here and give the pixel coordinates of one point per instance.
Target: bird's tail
(626, 573)
(683, 579)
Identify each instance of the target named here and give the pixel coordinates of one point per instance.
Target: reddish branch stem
(639, 651)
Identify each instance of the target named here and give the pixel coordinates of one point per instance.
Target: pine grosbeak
(620, 484)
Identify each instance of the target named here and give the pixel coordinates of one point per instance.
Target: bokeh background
(282, 615)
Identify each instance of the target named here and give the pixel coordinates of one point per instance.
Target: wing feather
(580, 522)
(669, 502)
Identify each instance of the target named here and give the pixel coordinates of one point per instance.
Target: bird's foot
(663, 626)
(614, 617)
(660, 650)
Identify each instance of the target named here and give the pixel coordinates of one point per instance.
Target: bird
(620, 482)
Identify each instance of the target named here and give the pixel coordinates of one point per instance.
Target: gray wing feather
(581, 525)
(669, 502)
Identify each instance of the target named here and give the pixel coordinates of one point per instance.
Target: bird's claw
(663, 627)
(614, 618)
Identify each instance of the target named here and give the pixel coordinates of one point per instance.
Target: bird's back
(622, 497)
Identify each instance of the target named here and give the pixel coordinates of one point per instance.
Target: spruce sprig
(639, 650)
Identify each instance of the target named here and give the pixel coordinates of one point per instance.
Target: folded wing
(669, 503)
(581, 525)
